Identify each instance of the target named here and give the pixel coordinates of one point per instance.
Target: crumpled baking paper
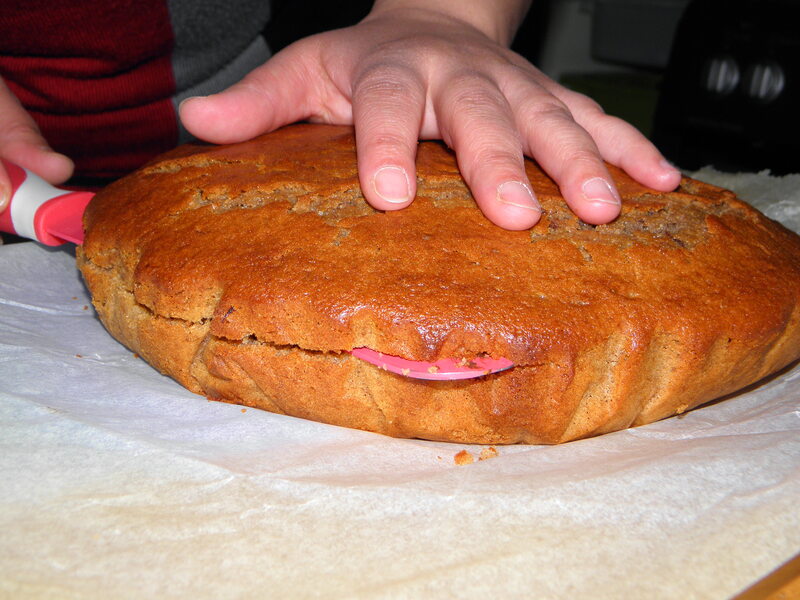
(115, 482)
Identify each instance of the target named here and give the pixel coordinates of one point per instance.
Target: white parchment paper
(115, 482)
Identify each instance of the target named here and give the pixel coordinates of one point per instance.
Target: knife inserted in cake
(54, 216)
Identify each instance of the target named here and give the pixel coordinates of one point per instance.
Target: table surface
(781, 584)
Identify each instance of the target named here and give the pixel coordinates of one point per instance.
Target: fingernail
(665, 164)
(599, 190)
(185, 100)
(391, 184)
(5, 195)
(668, 165)
(517, 194)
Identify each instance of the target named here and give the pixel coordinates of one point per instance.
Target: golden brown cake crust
(247, 271)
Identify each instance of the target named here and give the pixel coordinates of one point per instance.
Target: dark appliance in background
(731, 92)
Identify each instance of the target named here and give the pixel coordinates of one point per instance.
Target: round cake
(249, 272)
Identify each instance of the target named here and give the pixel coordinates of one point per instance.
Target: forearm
(498, 19)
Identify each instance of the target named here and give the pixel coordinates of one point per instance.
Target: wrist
(497, 19)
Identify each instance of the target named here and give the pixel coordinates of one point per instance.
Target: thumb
(22, 143)
(279, 92)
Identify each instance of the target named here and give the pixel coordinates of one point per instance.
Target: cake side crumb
(463, 458)
(487, 453)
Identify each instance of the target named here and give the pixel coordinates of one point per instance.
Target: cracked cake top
(271, 240)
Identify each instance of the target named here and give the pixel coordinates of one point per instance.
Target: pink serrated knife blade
(445, 369)
(53, 216)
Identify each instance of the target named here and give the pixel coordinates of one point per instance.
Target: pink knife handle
(34, 202)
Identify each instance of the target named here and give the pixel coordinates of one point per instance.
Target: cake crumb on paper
(464, 458)
(487, 453)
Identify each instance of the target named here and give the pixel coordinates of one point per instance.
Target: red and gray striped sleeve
(103, 78)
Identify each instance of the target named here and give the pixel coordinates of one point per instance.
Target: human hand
(23, 144)
(407, 73)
